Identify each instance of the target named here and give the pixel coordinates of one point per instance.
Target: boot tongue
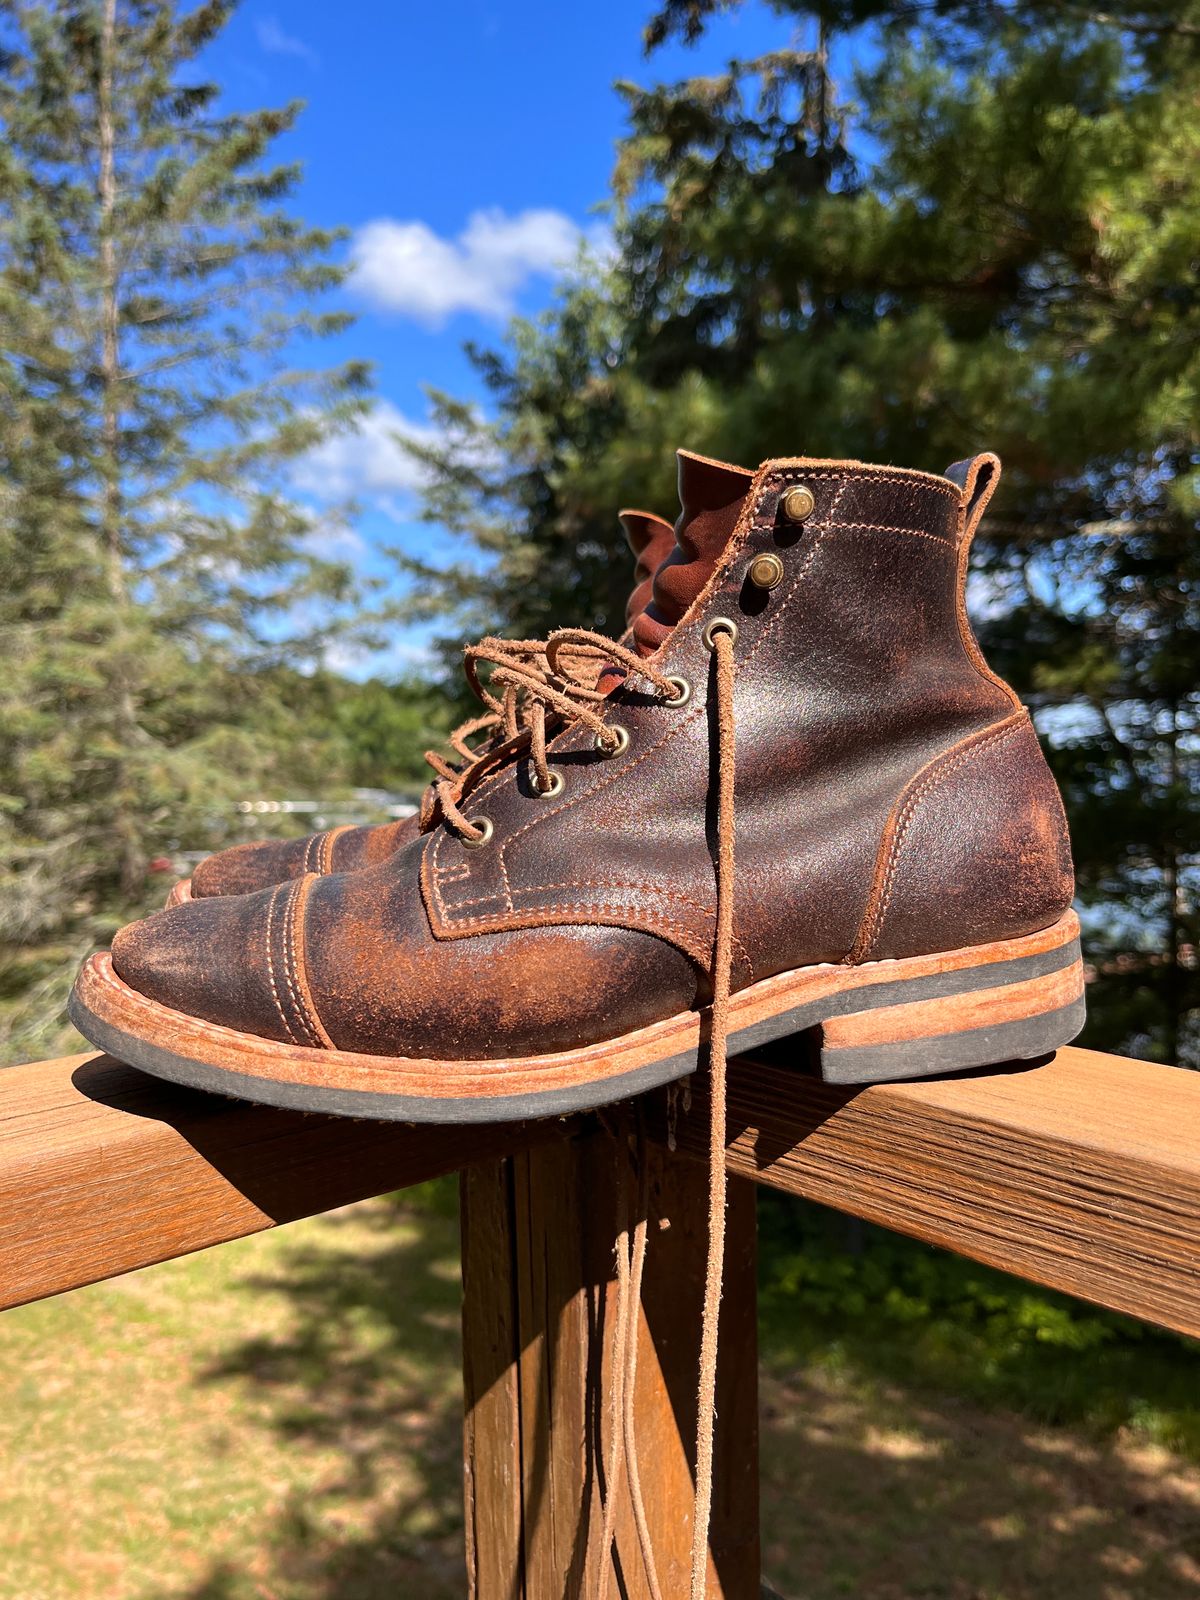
(711, 494)
(651, 539)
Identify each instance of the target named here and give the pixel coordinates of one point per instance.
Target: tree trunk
(130, 855)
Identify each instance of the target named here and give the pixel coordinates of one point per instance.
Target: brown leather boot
(243, 868)
(813, 810)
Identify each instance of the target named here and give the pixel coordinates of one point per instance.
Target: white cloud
(277, 42)
(334, 540)
(407, 268)
(404, 654)
(368, 462)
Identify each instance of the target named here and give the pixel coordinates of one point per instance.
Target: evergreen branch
(1152, 26)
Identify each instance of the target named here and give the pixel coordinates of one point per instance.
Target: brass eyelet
(719, 625)
(486, 831)
(797, 503)
(621, 736)
(683, 692)
(556, 785)
(766, 570)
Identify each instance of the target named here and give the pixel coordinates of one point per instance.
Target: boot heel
(1002, 1008)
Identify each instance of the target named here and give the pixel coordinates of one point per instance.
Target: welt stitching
(949, 763)
(289, 938)
(283, 1017)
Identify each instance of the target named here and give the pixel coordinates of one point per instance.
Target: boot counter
(976, 849)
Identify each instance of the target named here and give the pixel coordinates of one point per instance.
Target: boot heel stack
(1006, 1004)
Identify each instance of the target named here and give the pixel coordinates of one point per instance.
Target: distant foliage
(988, 240)
(159, 306)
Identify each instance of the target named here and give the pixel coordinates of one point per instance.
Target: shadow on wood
(104, 1169)
(1081, 1173)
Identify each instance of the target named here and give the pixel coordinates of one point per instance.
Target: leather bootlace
(525, 689)
(530, 650)
(630, 1253)
(458, 742)
(722, 968)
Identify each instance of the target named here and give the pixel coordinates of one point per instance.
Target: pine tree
(155, 294)
(540, 548)
(993, 243)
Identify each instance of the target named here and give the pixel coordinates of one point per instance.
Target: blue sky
(466, 145)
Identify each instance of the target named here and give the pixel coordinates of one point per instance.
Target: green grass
(279, 1419)
(276, 1418)
(873, 1305)
(935, 1429)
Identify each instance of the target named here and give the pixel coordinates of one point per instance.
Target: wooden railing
(1082, 1174)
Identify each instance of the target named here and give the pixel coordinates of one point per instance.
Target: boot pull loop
(976, 479)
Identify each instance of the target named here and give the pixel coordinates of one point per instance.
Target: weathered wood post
(539, 1230)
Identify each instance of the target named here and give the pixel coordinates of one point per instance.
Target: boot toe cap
(207, 959)
(245, 868)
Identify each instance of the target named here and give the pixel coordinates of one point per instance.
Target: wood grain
(668, 1375)
(1082, 1174)
(492, 1487)
(103, 1169)
(542, 1226)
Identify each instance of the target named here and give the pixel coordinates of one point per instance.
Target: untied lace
(458, 742)
(524, 688)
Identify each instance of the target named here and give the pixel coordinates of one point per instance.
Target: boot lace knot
(535, 688)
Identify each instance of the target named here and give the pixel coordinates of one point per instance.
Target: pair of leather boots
(794, 800)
